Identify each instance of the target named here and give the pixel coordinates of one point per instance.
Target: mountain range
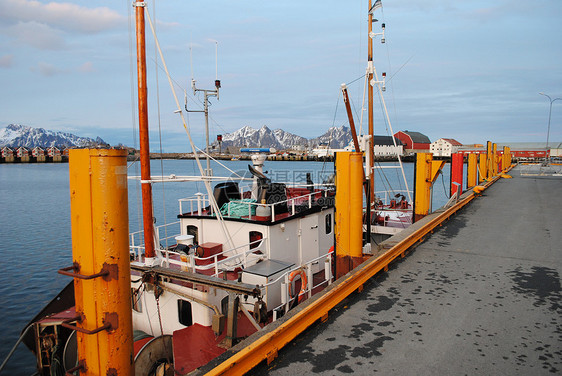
(15, 135)
(335, 137)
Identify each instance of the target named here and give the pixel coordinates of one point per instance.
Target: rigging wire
(180, 112)
(133, 116)
(160, 136)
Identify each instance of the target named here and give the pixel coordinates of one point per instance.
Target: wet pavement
(481, 296)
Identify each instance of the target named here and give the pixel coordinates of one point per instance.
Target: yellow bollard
(494, 159)
(425, 173)
(349, 211)
(100, 227)
(482, 167)
(472, 170)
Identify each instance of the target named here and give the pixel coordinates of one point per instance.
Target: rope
(206, 182)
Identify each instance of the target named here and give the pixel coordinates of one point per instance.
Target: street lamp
(549, 113)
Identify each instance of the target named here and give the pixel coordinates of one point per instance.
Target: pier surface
(480, 296)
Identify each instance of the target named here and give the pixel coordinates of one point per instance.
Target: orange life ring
(304, 283)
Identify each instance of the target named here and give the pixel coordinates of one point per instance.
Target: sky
(468, 70)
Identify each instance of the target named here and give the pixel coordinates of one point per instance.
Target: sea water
(35, 237)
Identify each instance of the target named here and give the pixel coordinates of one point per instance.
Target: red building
(413, 140)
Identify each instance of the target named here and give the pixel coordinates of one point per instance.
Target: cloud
(6, 61)
(64, 16)
(36, 35)
(86, 67)
(46, 69)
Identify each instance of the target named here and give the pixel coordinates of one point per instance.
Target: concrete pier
(481, 296)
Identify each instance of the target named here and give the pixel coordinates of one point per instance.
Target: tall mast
(146, 185)
(370, 112)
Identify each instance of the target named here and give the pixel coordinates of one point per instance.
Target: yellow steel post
(342, 214)
(494, 159)
(482, 166)
(472, 171)
(356, 208)
(426, 171)
(489, 164)
(349, 211)
(100, 227)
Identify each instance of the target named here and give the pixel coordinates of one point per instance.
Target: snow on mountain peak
(20, 135)
(337, 137)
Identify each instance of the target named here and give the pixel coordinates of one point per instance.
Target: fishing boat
(240, 256)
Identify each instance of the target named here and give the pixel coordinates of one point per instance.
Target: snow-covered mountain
(280, 140)
(335, 137)
(20, 135)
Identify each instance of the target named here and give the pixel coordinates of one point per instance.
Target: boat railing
(136, 239)
(286, 299)
(252, 252)
(197, 204)
(386, 196)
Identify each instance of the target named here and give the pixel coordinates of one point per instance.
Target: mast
(371, 156)
(146, 185)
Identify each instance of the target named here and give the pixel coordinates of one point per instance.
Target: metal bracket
(139, 4)
(110, 322)
(108, 272)
(81, 366)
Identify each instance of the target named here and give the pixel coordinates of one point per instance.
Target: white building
(384, 146)
(444, 147)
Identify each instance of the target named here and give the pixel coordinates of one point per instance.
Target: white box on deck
(263, 273)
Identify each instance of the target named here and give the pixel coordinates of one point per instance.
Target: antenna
(216, 60)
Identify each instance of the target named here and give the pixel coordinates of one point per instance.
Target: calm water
(35, 238)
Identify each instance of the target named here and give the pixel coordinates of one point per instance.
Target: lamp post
(549, 114)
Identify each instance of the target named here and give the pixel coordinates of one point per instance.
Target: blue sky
(469, 70)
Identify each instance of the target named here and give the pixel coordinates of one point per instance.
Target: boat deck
(482, 295)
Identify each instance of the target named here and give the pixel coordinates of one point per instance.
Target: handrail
(192, 264)
(203, 199)
(14, 348)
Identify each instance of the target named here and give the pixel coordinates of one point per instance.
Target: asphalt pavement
(481, 296)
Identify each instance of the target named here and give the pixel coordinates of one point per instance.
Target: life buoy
(304, 283)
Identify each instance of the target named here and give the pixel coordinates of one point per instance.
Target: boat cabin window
(193, 230)
(255, 237)
(136, 300)
(184, 312)
(328, 221)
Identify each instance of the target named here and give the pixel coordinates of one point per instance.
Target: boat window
(184, 312)
(193, 230)
(255, 237)
(136, 300)
(328, 223)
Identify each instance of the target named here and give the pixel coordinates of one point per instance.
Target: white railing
(201, 201)
(286, 299)
(386, 196)
(136, 239)
(197, 203)
(233, 258)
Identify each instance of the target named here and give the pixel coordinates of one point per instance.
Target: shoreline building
(444, 147)
(414, 142)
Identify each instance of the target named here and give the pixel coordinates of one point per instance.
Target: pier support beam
(349, 211)
(100, 250)
(425, 173)
(472, 171)
(482, 168)
(457, 160)
(506, 158)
